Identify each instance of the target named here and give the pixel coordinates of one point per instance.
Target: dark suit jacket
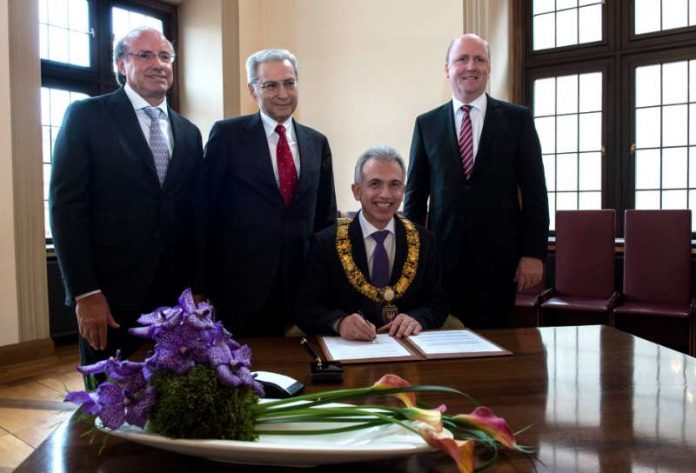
(483, 213)
(111, 220)
(254, 237)
(328, 296)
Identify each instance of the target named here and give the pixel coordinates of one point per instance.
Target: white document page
(384, 346)
(451, 341)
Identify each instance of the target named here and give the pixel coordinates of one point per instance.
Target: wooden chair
(657, 302)
(584, 283)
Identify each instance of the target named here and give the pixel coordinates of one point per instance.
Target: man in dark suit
(124, 199)
(270, 186)
(478, 161)
(377, 270)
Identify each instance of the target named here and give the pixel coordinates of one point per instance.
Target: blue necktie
(158, 143)
(380, 260)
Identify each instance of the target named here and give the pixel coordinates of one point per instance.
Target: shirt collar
(269, 125)
(368, 229)
(140, 103)
(480, 103)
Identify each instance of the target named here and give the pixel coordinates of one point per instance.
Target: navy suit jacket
(111, 220)
(255, 239)
(328, 296)
(501, 212)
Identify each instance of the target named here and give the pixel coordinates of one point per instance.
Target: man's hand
(402, 326)
(355, 327)
(529, 272)
(93, 316)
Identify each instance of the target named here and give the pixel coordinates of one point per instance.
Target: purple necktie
(466, 142)
(380, 260)
(158, 143)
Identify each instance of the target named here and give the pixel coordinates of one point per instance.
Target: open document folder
(426, 345)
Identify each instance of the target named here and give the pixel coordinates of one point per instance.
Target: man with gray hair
(124, 196)
(378, 273)
(269, 183)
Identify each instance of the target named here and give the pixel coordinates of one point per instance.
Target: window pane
(647, 199)
(647, 16)
(591, 24)
(675, 76)
(692, 170)
(567, 94)
(64, 31)
(674, 199)
(546, 128)
(543, 6)
(552, 210)
(566, 201)
(567, 172)
(123, 21)
(692, 124)
(591, 131)
(544, 31)
(567, 133)
(674, 132)
(648, 169)
(692, 78)
(566, 28)
(692, 206)
(674, 14)
(46, 143)
(674, 170)
(590, 171)
(550, 171)
(563, 4)
(692, 21)
(590, 200)
(591, 92)
(648, 86)
(544, 96)
(648, 127)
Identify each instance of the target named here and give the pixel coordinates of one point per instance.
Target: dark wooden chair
(657, 303)
(584, 284)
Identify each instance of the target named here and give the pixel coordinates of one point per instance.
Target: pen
(305, 343)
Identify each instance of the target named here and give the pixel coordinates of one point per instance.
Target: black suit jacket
(254, 237)
(328, 296)
(501, 212)
(111, 220)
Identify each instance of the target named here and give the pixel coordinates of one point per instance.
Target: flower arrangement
(197, 384)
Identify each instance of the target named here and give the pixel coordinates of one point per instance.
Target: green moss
(198, 406)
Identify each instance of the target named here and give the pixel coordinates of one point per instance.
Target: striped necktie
(466, 142)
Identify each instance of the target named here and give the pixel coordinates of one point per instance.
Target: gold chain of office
(357, 278)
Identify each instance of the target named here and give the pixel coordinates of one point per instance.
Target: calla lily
(461, 451)
(483, 418)
(391, 381)
(432, 417)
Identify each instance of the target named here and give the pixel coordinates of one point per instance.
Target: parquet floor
(31, 409)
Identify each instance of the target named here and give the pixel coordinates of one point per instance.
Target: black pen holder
(327, 372)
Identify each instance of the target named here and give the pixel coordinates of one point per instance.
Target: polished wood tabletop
(597, 400)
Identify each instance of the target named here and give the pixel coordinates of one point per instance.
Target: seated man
(377, 273)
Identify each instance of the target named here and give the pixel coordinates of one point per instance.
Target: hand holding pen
(356, 327)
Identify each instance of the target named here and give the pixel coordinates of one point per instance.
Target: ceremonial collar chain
(358, 280)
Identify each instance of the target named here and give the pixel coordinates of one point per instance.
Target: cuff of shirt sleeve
(87, 294)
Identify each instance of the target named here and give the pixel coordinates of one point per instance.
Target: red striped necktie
(287, 173)
(466, 142)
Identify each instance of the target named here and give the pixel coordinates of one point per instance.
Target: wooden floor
(31, 409)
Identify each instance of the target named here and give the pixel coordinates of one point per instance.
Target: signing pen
(305, 343)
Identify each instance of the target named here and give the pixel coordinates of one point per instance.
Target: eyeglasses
(147, 56)
(273, 86)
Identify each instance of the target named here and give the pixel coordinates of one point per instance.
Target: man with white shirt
(476, 178)
(269, 184)
(125, 199)
(378, 272)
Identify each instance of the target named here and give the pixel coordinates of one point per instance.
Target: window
(76, 40)
(612, 86)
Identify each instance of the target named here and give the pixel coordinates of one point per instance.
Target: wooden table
(597, 400)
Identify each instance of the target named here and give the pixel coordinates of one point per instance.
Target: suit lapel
(133, 139)
(446, 122)
(307, 150)
(490, 127)
(175, 163)
(357, 241)
(401, 250)
(255, 147)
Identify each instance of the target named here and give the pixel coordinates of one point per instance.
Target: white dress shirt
(389, 242)
(139, 104)
(477, 114)
(269, 126)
